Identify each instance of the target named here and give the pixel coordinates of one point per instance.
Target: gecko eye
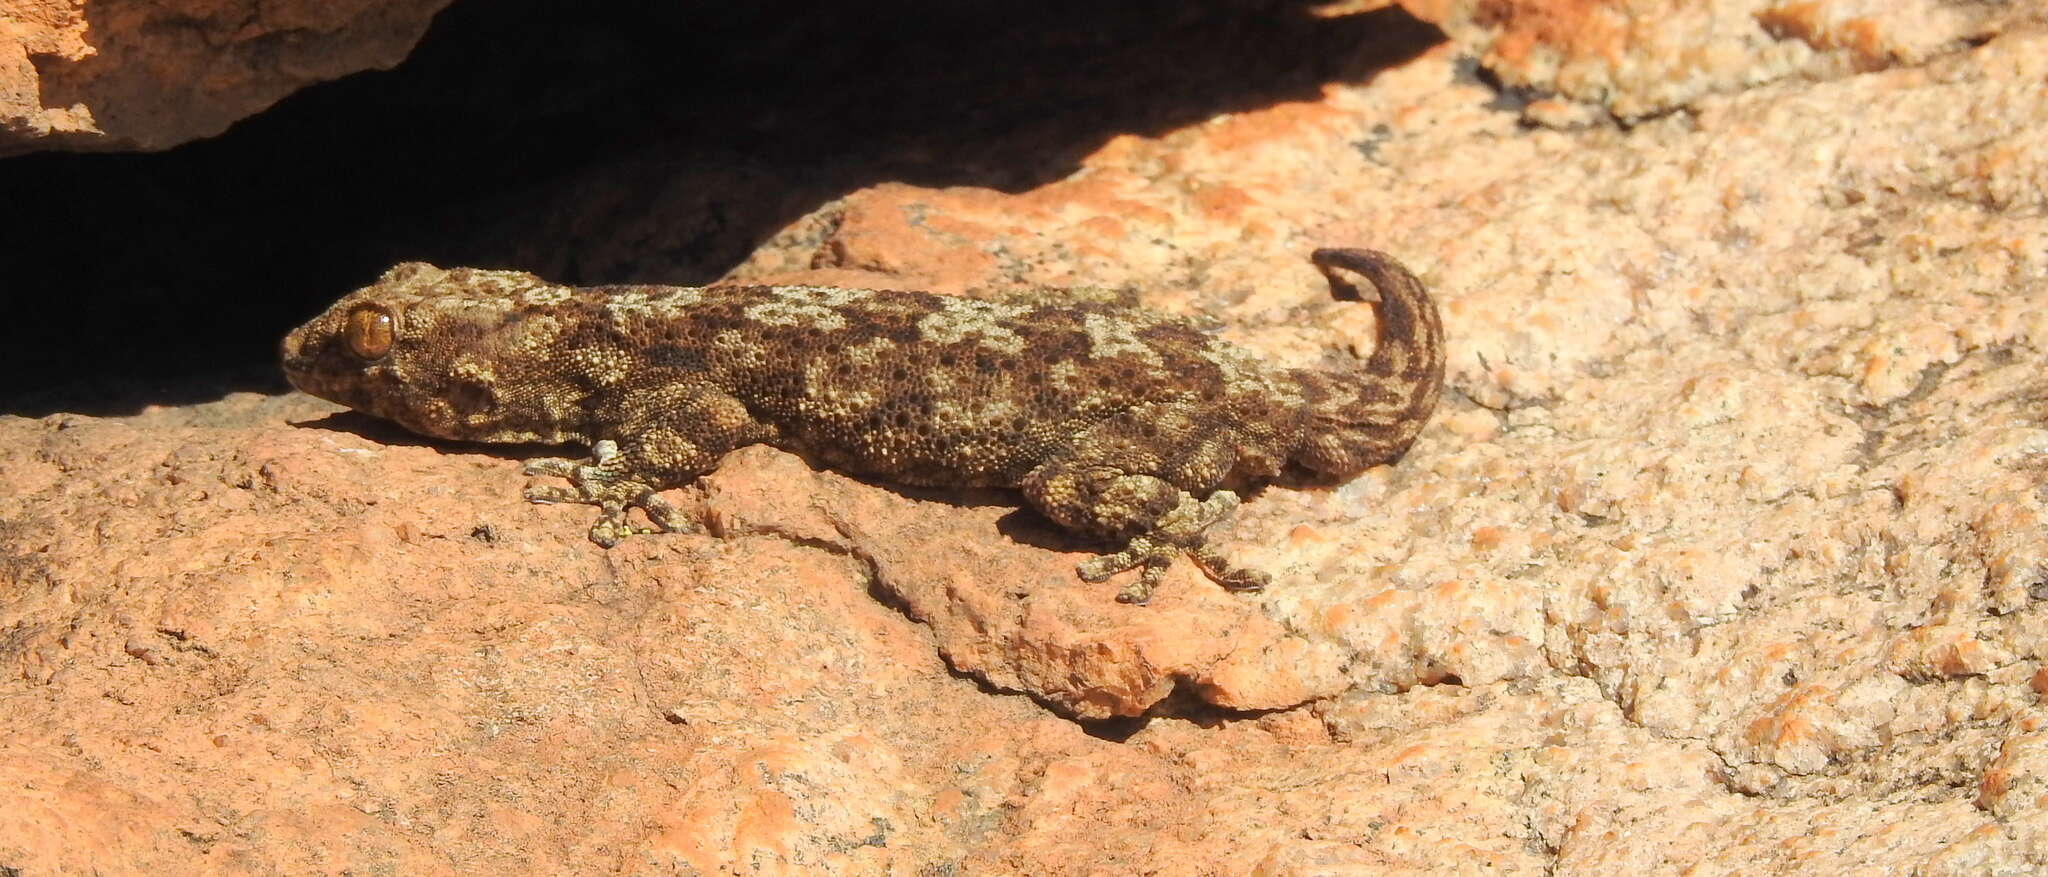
(369, 332)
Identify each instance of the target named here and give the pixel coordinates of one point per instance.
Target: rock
(1725, 552)
(1008, 611)
(105, 75)
(1639, 58)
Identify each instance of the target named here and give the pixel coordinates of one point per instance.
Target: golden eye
(369, 332)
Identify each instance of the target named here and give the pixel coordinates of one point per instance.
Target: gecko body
(1123, 424)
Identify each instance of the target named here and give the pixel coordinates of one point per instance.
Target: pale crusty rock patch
(1638, 58)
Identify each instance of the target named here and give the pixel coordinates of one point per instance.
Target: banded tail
(1362, 417)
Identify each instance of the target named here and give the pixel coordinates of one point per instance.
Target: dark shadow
(1185, 702)
(376, 429)
(1026, 526)
(957, 497)
(1115, 730)
(384, 432)
(645, 140)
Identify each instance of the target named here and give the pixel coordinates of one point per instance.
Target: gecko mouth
(310, 367)
(298, 365)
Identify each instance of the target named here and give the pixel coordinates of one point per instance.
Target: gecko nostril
(470, 398)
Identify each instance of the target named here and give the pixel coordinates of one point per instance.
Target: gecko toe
(554, 466)
(1139, 592)
(1149, 555)
(546, 493)
(664, 515)
(1223, 572)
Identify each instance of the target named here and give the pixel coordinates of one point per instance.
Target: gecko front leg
(601, 481)
(667, 438)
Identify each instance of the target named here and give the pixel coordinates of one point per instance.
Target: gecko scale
(1123, 424)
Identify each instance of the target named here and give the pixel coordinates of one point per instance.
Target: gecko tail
(1360, 417)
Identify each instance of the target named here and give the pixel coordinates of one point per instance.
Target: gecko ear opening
(370, 331)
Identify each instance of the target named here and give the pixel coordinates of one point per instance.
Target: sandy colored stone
(1725, 554)
(320, 656)
(109, 75)
(1638, 58)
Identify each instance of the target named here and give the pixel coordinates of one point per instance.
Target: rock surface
(108, 75)
(1725, 553)
(1639, 58)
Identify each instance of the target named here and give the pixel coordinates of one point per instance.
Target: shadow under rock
(648, 141)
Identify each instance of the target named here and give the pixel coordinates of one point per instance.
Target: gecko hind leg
(599, 482)
(1157, 521)
(1149, 478)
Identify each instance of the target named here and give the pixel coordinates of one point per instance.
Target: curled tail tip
(1383, 270)
(1408, 313)
(1339, 256)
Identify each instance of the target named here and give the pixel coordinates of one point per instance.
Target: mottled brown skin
(1116, 422)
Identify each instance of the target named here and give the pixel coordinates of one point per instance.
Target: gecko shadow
(1021, 524)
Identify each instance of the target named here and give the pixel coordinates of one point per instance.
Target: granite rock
(1724, 554)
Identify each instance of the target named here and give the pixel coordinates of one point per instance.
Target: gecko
(1125, 425)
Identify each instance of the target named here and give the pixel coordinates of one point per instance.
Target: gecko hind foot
(594, 483)
(1179, 530)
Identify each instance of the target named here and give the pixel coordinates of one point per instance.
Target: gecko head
(438, 351)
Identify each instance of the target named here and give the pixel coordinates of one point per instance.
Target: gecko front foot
(598, 483)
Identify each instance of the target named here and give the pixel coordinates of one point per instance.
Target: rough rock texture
(1726, 553)
(1636, 58)
(1010, 610)
(107, 74)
